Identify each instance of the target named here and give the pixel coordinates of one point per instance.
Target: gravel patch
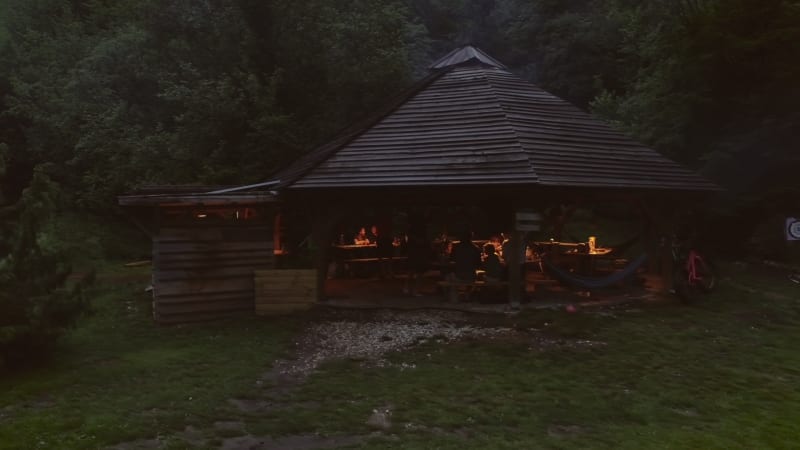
(370, 339)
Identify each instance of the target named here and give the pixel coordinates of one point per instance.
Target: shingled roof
(473, 123)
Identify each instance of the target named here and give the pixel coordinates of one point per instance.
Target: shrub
(36, 301)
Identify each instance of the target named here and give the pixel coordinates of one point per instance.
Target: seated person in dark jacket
(466, 258)
(492, 264)
(372, 234)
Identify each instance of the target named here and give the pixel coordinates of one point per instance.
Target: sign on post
(527, 220)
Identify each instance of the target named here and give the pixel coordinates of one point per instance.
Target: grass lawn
(3, 18)
(719, 374)
(120, 377)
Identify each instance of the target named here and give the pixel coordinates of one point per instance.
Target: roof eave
(197, 199)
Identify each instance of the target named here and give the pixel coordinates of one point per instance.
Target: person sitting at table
(491, 264)
(361, 238)
(466, 259)
(497, 241)
(372, 234)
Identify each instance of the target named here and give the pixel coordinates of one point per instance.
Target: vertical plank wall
(207, 272)
(285, 291)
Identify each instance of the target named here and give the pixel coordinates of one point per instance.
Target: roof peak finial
(463, 55)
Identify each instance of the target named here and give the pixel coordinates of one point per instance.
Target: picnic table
(575, 254)
(359, 260)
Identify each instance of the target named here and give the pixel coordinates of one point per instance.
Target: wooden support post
(667, 230)
(277, 238)
(656, 238)
(650, 244)
(513, 264)
(524, 220)
(319, 238)
(323, 221)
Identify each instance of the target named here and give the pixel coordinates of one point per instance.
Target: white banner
(792, 229)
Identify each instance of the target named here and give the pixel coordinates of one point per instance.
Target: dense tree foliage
(118, 94)
(35, 305)
(99, 96)
(123, 93)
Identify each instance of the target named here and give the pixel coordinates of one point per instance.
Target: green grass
(669, 385)
(3, 18)
(720, 374)
(118, 376)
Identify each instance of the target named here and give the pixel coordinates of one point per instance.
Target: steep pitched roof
(464, 55)
(474, 123)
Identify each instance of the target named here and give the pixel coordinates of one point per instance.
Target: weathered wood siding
(284, 291)
(207, 272)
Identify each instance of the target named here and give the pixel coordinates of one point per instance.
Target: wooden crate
(285, 291)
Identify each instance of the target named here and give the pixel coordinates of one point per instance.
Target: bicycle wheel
(707, 279)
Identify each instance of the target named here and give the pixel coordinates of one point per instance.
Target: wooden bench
(365, 267)
(373, 260)
(454, 288)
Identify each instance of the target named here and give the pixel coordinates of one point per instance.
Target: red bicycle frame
(692, 270)
(692, 260)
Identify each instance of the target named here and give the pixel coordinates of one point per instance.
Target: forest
(98, 97)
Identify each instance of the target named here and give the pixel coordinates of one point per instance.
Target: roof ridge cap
(464, 55)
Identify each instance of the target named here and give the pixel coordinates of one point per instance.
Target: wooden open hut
(470, 133)
(474, 133)
(207, 243)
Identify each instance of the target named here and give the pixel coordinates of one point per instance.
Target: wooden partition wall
(202, 273)
(285, 291)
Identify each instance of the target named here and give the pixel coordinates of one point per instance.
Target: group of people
(364, 238)
(382, 238)
(468, 259)
(463, 258)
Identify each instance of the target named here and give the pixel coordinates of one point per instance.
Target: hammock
(587, 282)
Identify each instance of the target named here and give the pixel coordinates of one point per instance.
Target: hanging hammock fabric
(587, 282)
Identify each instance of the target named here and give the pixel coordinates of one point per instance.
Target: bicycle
(692, 272)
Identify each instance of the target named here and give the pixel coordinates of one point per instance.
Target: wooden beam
(324, 218)
(514, 266)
